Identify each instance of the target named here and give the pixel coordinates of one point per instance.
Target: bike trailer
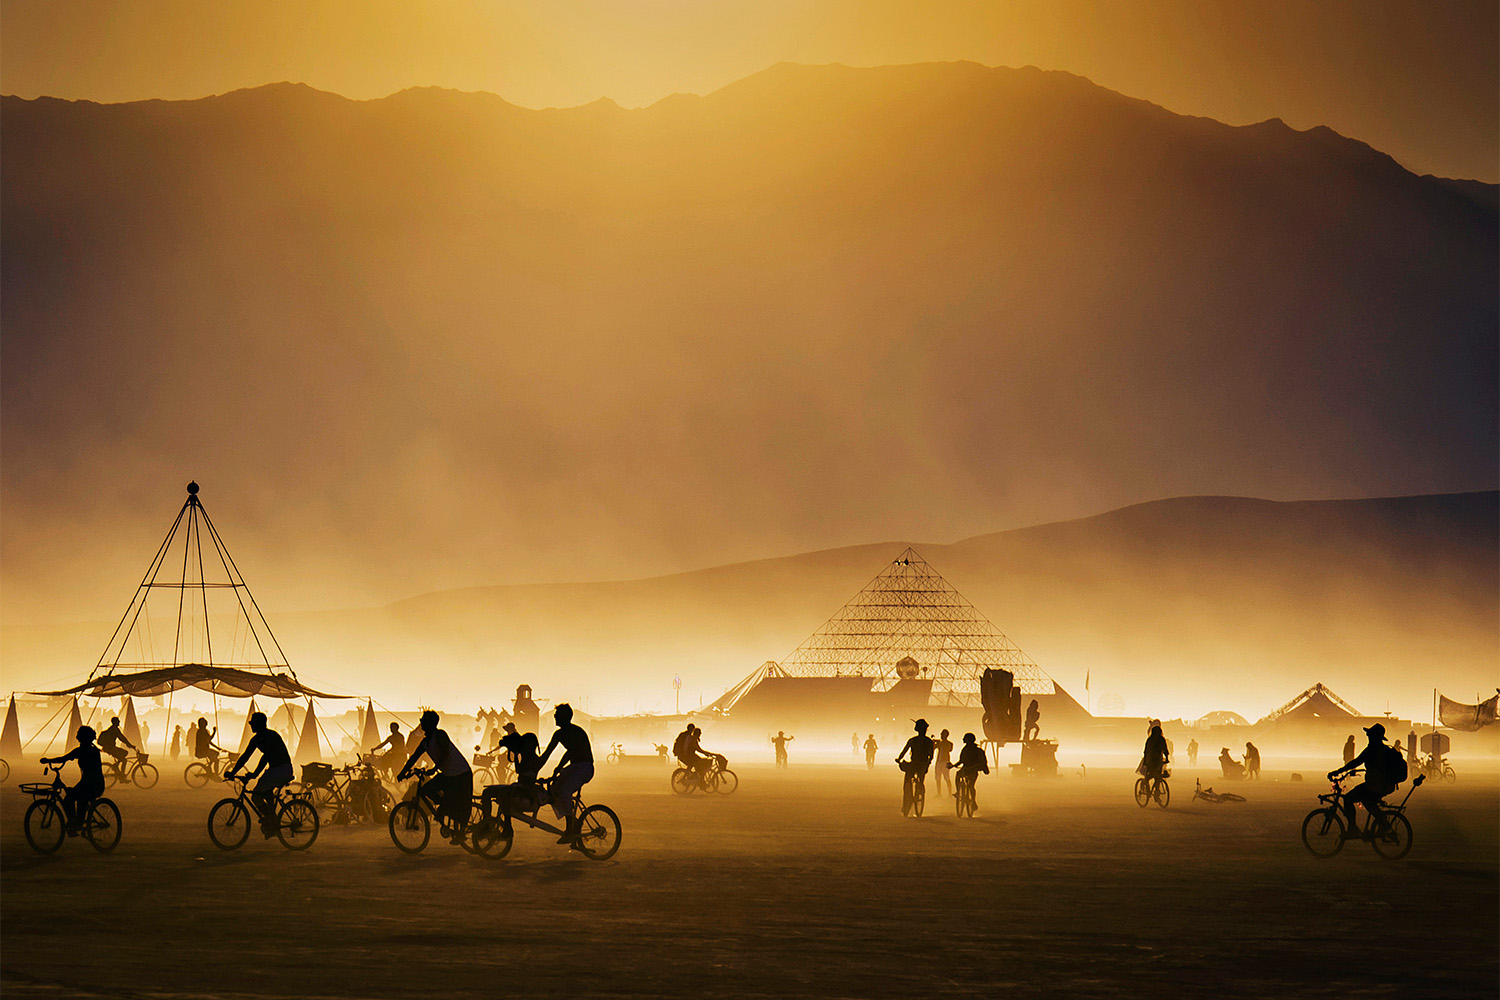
(317, 774)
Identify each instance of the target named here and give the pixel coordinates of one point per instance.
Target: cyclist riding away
(522, 748)
(1155, 757)
(971, 760)
(90, 778)
(1385, 768)
(110, 738)
(275, 761)
(574, 770)
(451, 790)
(921, 750)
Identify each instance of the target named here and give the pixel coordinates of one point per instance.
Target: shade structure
(308, 747)
(371, 735)
(228, 682)
(130, 724)
(10, 736)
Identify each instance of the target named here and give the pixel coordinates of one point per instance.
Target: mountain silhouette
(819, 305)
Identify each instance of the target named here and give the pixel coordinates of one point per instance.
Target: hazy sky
(1416, 80)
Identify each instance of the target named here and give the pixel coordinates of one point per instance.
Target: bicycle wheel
(682, 781)
(1323, 832)
(323, 796)
(410, 827)
(728, 782)
(45, 826)
(490, 840)
(598, 833)
(710, 782)
(228, 824)
(297, 824)
(196, 774)
(4, 769)
(146, 776)
(960, 799)
(1449, 775)
(1396, 841)
(1142, 792)
(111, 775)
(374, 804)
(102, 828)
(1161, 792)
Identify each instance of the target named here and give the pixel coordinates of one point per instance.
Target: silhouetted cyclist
(870, 747)
(391, 760)
(90, 778)
(682, 748)
(275, 761)
(451, 790)
(520, 794)
(112, 736)
(202, 741)
(1192, 753)
(942, 763)
(971, 759)
(1155, 757)
(574, 770)
(1384, 770)
(780, 740)
(920, 749)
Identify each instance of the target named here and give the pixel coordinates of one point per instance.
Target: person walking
(870, 747)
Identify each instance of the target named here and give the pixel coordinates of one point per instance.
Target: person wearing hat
(1382, 775)
(921, 749)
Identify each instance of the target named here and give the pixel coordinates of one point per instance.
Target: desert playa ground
(806, 882)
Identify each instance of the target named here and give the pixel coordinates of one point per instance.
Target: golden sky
(1418, 81)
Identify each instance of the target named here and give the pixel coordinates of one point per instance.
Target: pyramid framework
(910, 624)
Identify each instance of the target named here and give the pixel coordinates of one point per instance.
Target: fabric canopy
(1467, 718)
(228, 682)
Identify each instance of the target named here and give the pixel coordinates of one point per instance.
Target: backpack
(1392, 770)
(677, 744)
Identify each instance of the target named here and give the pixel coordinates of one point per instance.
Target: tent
(131, 725)
(371, 736)
(10, 736)
(308, 748)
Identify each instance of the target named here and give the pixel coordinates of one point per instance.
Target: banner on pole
(1467, 718)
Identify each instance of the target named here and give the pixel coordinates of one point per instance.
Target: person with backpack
(1385, 768)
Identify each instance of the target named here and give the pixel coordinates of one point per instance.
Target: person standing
(942, 763)
(1033, 722)
(176, 742)
(1192, 753)
(780, 741)
(870, 747)
(1349, 749)
(1252, 762)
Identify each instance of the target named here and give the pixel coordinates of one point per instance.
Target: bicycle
(1435, 768)
(963, 795)
(616, 751)
(296, 818)
(135, 770)
(599, 831)
(350, 793)
(717, 778)
(46, 823)
(914, 793)
(205, 769)
(410, 822)
(1153, 789)
(1209, 795)
(490, 768)
(1386, 827)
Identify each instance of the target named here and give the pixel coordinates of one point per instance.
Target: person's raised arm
(542, 760)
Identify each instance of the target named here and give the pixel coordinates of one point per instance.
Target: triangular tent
(130, 725)
(371, 736)
(245, 733)
(75, 720)
(10, 736)
(1316, 703)
(308, 748)
(909, 624)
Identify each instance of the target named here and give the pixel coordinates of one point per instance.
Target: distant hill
(437, 338)
(1201, 602)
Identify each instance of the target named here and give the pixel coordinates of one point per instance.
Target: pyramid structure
(910, 624)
